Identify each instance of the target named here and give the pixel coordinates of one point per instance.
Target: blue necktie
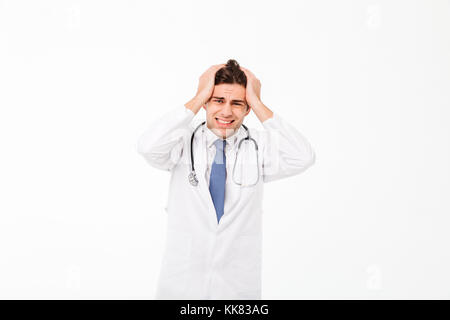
(217, 178)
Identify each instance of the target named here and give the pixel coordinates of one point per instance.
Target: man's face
(226, 109)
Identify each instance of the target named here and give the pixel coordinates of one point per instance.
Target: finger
(216, 67)
(247, 72)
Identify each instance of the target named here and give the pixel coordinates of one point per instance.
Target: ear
(249, 109)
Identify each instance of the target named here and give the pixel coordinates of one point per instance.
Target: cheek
(239, 115)
(212, 110)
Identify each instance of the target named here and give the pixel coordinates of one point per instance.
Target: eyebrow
(235, 100)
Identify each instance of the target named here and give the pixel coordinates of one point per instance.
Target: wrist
(262, 112)
(255, 104)
(194, 104)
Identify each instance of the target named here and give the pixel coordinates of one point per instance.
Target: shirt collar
(231, 141)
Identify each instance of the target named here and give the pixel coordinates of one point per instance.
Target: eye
(236, 103)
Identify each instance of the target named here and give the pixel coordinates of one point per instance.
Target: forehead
(230, 91)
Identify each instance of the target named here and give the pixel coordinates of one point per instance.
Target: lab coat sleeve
(162, 143)
(286, 151)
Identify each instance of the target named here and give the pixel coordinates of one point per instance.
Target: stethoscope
(193, 177)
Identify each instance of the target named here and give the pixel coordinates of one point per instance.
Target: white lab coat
(204, 259)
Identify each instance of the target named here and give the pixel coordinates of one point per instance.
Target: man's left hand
(253, 89)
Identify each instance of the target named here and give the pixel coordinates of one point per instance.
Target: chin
(224, 132)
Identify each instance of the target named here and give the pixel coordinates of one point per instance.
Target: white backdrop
(367, 83)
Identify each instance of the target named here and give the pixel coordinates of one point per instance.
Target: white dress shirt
(231, 143)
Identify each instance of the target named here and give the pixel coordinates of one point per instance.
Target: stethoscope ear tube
(257, 162)
(192, 142)
(192, 176)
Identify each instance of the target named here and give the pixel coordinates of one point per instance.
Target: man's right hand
(206, 83)
(205, 88)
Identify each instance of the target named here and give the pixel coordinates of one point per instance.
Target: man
(213, 244)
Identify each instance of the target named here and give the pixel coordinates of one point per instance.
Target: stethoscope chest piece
(193, 179)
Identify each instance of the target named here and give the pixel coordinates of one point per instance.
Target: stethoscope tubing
(192, 175)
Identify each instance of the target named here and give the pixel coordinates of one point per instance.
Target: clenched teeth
(224, 122)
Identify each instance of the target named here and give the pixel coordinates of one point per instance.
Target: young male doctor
(214, 210)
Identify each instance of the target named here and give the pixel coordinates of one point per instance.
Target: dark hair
(231, 73)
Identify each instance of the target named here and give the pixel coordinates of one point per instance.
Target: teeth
(223, 121)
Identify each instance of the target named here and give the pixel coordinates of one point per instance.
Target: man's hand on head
(206, 83)
(253, 89)
(205, 89)
(253, 96)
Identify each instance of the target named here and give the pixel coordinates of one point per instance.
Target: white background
(367, 82)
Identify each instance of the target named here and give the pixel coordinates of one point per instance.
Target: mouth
(224, 123)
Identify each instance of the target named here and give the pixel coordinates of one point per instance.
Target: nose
(226, 110)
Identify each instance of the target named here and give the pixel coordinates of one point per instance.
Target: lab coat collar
(231, 141)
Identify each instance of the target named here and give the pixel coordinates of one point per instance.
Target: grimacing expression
(226, 109)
